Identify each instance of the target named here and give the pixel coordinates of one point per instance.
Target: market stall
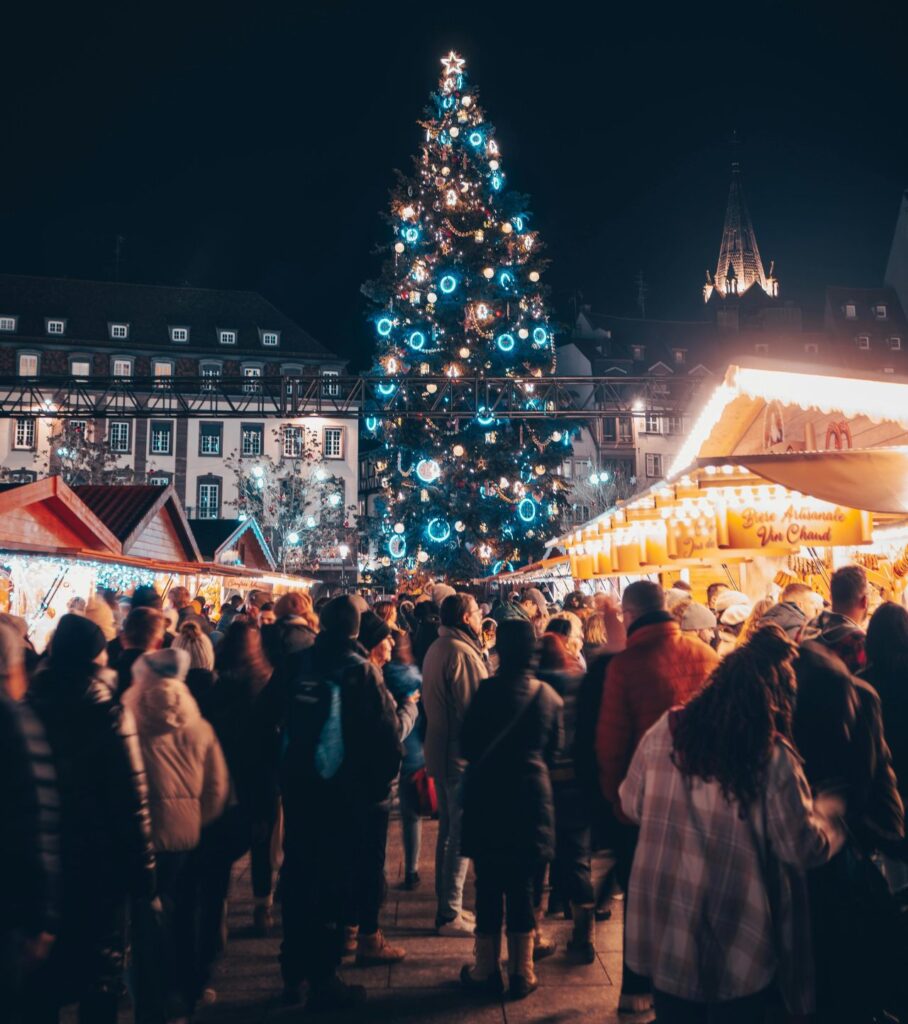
(785, 476)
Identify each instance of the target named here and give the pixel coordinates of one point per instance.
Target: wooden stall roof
(48, 516)
(215, 537)
(148, 521)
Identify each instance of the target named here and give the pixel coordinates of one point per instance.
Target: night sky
(254, 147)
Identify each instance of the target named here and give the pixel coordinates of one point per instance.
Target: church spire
(739, 266)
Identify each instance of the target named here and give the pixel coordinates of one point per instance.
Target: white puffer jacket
(188, 780)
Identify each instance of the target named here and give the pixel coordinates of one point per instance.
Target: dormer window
(120, 332)
(227, 337)
(880, 311)
(179, 334)
(679, 356)
(851, 311)
(271, 338)
(863, 341)
(7, 323)
(55, 326)
(895, 343)
(639, 352)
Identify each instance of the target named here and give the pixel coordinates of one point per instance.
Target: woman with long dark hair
(723, 805)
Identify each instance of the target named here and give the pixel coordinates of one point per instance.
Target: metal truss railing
(346, 397)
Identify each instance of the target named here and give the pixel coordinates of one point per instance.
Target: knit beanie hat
(697, 616)
(196, 644)
(372, 630)
(439, 592)
(76, 642)
(341, 615)
(730, 598)
(168, 663)
(535, 595)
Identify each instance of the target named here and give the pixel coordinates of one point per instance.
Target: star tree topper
(453, 63)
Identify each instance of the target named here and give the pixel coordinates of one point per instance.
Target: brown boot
(543, 945)
(484, 975)
(351, 935)
(582, 942)
(521, 976)
(372, 951)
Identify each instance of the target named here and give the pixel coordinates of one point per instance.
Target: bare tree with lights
(460, 295)
(296, 501)
(73, 454)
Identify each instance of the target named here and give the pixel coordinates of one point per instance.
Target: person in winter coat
(197, 644)
(572, 868)
(794, 610)
(404, 680)
(143, 631)
(30, 851)
(106, 853)
(363, 936)
(838, 730)
(452, 671)
(341, 750)
(186, 610)
(660, 668)
(731, 609)
(841, 629)
(229, 611)
(294, 628)
(511, 734)
(721, 800)
(428, 621)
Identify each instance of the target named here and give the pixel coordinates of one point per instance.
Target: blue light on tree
(483, 418)
(540, 335)
(506, 343)
(411, 234)
(518, 223)
(475, 139)
(506, 279)
(397, 547)
(448, 283)
(527, 510)
(384, 326)
(428, 470)
(416, 340)
(386, 390)
(502, 566)
(438, 530)
(372, 424)
(497, 182)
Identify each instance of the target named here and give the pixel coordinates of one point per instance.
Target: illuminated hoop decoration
(527, 510)
(384, 326)
(372, 424)
(448, 283)
(386, 390)
(428, 470)
(417, 341)
(483, 418)
(397, 547)
(506, 343)
(540, 336)
(438, 530)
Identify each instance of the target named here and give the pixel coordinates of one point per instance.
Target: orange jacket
(659, 669)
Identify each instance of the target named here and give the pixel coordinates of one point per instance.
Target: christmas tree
(460, 295)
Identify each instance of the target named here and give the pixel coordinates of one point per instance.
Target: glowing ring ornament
(475, 138)
(517, 222)
(499, 566)
(527, 510)
(439, 530)
(384, 326)
(505, 279)
(540, 335)
(448, 283)
(411, 234)
(397, 547)
(372, 424)
(417, 340)
(497, 182)
(428, 470)
(484, 420)
(506, 343)
(386, 390)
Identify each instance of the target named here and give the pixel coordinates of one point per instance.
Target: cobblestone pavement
(425, 986)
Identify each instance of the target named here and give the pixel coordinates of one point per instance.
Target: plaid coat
(714, 911)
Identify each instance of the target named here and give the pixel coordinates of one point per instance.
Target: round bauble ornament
(399, 247)
(460, 526)
(534, 275)
(431, 298)
(493, 165)
(398, 527)
(556, 436)
(445, 171)
(523, 333)
(422, 556)
(507, 227)
(458, 450)
(467, 100)
(464, 352)
(539, 470)
(455, 131)
(488, 273)
(385, 561)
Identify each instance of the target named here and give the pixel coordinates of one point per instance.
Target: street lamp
(343, 551)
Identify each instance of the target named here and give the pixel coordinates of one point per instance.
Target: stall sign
(794, 522)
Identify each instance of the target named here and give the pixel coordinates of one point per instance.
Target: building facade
(85, 331)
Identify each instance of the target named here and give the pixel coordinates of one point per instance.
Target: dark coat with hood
(106, 852)
(509, 812)
(370, 729)
(289, 635)
(838, 730)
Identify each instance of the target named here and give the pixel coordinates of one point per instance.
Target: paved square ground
(425, 986)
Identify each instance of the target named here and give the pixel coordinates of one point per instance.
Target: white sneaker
(460, 927)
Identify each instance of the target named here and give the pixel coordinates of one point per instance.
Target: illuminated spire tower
(739, 267)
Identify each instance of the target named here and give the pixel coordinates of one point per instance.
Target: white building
(85, 331)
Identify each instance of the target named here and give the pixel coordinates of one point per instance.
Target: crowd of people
(744, 763)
